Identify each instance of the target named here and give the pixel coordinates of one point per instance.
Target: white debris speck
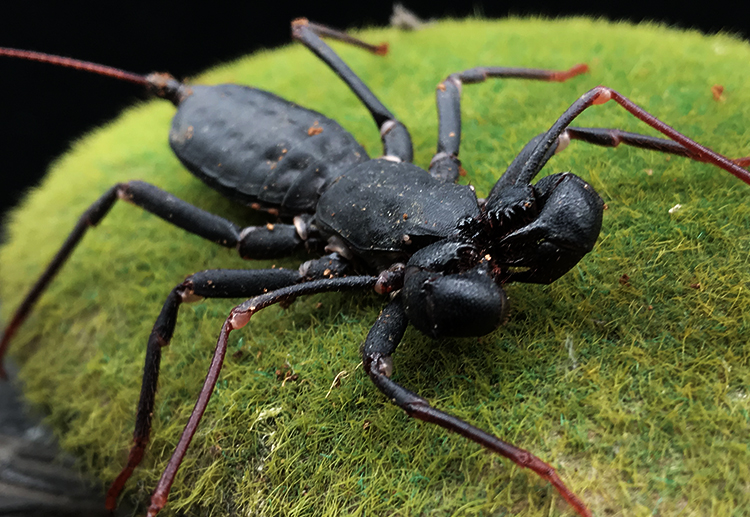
(675, 208)
(571, 351)
(266, 414)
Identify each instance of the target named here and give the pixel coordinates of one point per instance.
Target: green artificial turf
(634, 387)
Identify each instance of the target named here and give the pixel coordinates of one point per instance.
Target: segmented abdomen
(257, 148)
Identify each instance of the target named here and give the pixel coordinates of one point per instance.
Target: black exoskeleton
(384, 223)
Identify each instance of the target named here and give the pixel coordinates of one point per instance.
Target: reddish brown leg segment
(701, 153)
(600, 95)
(376, 354)
(217, 283)
(394, 135)
(238, 318)
(612, 137)
(445, 164)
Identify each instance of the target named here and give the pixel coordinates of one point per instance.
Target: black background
(43, 108)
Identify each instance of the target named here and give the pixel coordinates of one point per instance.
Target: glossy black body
(385, 211)
(274, 155)
(257, 148)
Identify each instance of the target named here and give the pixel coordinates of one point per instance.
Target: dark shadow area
(36, 480)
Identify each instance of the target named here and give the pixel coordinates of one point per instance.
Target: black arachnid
(442, 255)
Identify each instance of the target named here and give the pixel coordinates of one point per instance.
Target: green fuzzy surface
(636, 391)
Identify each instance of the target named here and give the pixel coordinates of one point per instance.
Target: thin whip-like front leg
(376, 354)
(600, 136)
(238, 318)
(600, 95)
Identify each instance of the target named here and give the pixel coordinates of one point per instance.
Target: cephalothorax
(442, 254)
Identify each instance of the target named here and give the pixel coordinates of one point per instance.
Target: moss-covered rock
(630, 374)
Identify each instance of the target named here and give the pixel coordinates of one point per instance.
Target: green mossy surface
(650, 418)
